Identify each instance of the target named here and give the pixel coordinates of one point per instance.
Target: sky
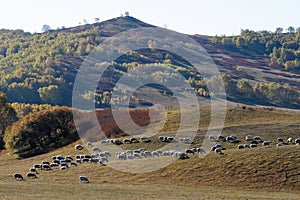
(205, 17)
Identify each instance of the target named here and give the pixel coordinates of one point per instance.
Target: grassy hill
(41, 68)
(266, 172)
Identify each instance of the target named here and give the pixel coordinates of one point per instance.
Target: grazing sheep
(73, 164)
(297, 141)
(78, 147)
(64, 164)
(104, 142)
(212, 138)
(54, 164)
(289, 140)
(241, 146)
(279, 144)
(161, 138)
(89, 144)
(145, 139)
(280, 139)
(221, 138)
(103, 160)
(249, 138)
(56, 161)
(121, 156)
(219, 150)
(200, 150)
(186, 140)
(189, 151)
(134, 140)
(33, 170)
(257, 138)
(45, 167)
(60, 157)
(18, 176)
(63, 168)
(107, 153)
(182, 156)
(117, 142)
(254, 142)
(31, 175)
(219, 146)
(83, 179)
(266, 143)
(78, 161)
(246, 146)
(96, 149)
(127, 141)
(253, 145)
(230, 139)
(45, 163)
(36, 166)
(85, 160)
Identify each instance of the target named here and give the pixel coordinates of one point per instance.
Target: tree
(46, 28)
(41, 132)
(97, 19)
(279, 30)
(127, 14)
(50, 94)
(291, 29)
(7, 116)
(245, 88)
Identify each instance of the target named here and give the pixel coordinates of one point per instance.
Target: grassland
(262, 173)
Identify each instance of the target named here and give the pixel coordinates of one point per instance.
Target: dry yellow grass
(262, 173)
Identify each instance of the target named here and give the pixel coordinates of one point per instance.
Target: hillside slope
(264, 168)
(41, 68)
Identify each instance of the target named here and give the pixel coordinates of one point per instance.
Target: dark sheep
(31, 175)
(36, 166)
(127, 141)
(221, 138)
(83, 179)
(189, 151)
(78, 147)
(134, 140)
(18, 176)
(280, 139)
(33, 170)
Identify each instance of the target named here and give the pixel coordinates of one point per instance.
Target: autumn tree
(7, 117)
(41, 132)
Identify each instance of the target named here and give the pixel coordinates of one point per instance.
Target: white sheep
(266, 143)
(280, 139)
(249, 138)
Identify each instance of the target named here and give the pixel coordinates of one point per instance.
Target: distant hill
(257, 67)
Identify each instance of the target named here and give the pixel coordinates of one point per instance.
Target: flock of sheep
(102, 157)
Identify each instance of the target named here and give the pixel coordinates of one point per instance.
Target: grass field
(262, 173)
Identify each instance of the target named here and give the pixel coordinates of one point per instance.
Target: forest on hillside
(282, 48)
(41, 68)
